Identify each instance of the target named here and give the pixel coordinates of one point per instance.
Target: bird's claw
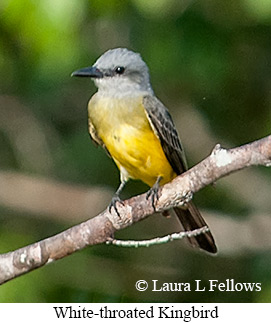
(113, 204)
(153, 194)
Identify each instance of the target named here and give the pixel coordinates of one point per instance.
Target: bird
(138, 133)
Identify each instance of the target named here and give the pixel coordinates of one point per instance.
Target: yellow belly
(125, 130)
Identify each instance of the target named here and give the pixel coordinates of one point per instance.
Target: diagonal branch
(101, 228)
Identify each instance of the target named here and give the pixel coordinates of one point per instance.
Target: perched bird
(135, 128)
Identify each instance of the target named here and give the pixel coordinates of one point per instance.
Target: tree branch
(49, 198)
(101, 228)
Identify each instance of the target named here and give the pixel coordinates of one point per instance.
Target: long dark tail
(191, 219)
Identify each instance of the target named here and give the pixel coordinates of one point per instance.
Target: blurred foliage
(211, 55)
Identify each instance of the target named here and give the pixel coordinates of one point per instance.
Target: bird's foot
(153, 193)
(113, 204)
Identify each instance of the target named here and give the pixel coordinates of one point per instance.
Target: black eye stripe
(119, 69)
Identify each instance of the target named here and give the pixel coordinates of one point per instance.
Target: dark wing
(94, 136)
(164, 128)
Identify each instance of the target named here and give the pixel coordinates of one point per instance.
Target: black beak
(88, 72)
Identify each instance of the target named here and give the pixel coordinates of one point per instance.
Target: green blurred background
(210, 63)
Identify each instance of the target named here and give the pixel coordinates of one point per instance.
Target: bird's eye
(119, 70)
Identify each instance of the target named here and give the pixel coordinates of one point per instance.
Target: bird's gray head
(119, 72)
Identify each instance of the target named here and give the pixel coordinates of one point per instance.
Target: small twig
(157, 240)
